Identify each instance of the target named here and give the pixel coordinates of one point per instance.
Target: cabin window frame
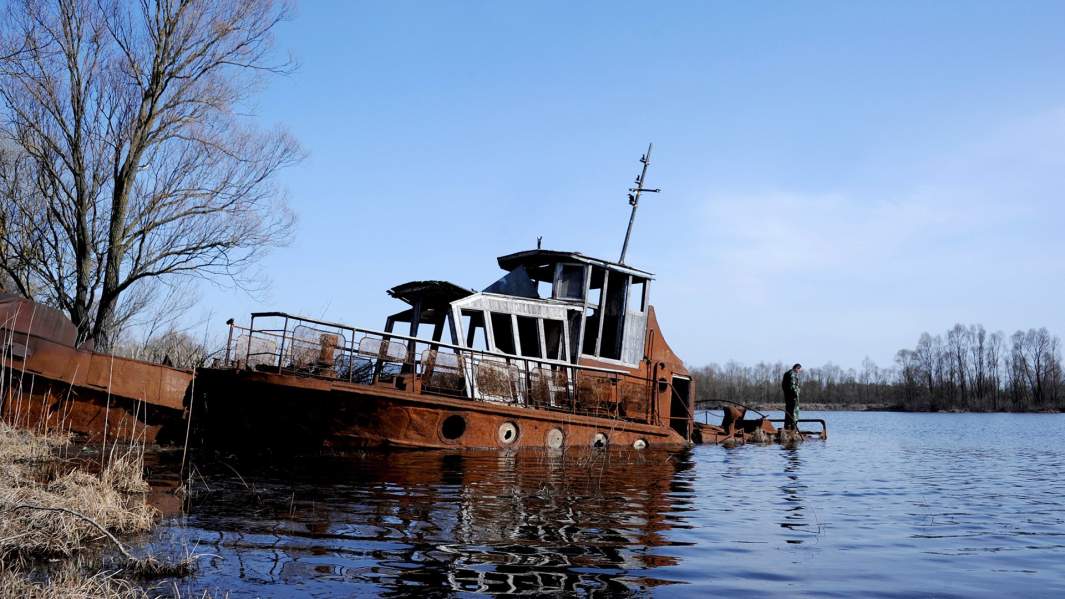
(581, 281)
(468, 333)
(644, 284)
(563, 354)
(491, 314)
(538, 331)
(597, 311)
(619, 306)
(594, 348)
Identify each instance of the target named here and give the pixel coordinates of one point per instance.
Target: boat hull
(246, 409)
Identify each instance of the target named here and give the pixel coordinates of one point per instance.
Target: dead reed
(51, 509)
(58, 517)
(20, 446)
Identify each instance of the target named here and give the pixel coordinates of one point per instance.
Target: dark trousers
(791, 412)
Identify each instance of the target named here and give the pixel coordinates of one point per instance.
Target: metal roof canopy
(429, 293)
(541, 263)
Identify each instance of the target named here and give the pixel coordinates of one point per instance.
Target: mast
(634, 199)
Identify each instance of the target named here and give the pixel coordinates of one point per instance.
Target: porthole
(454, 426)
(639, 444)
(508, 433)
(599, 440)
(555, 438)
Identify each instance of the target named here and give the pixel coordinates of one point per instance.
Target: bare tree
(971, 370)
(1035, 368)
(127, 159)
(993, 366)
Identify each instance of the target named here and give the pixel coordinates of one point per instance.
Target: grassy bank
(61, 526)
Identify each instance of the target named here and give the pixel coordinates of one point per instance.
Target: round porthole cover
(508, 433)
(555, 438)
(599, 440)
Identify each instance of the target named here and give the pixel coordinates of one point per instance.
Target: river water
(891, 505)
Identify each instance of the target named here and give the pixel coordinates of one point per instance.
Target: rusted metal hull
(261, 410)
(89, 413)
(338, 388)
(49, 385)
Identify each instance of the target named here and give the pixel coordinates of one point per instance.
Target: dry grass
(49, 510)
(104, 499)
(125, 473)
(19, 446)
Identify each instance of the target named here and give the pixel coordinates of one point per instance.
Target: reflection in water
(474, 522)
(793, 490)
(893, 505)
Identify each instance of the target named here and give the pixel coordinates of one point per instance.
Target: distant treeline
(967, 369)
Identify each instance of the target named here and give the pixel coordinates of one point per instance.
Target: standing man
(790, 384)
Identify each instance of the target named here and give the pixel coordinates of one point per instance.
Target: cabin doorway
(680, 415)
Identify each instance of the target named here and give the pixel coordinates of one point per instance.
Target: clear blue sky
(837, 176)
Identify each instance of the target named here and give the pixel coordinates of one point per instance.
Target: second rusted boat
(48, 384)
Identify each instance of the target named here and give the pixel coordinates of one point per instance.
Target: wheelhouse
(600, 306)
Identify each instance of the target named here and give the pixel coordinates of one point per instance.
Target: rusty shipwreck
(564, 350)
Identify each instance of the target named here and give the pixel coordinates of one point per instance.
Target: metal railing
(823, 433)
(288, 344)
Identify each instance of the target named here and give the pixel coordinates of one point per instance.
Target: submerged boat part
(737, 429)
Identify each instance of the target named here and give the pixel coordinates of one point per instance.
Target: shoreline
(823, 407)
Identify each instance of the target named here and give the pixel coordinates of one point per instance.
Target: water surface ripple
(892, 505)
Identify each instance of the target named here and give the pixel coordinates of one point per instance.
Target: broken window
(595, 286)
(554, 339)
(529, 336)
(473, 326)
(503, 333)
(637, 295)
(573, 320)
(591, 331)
(613, 316)
(543, 289)
(592, 312)
(570, 283)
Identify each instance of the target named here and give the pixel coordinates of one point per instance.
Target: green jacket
(790, 384)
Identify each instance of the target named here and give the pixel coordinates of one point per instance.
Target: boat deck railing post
(281, 351)
(251, 333)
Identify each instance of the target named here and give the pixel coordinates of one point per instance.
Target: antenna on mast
(634, 198)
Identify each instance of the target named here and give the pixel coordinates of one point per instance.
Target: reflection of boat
(48, 384)
(512, 522)
(564, 350)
